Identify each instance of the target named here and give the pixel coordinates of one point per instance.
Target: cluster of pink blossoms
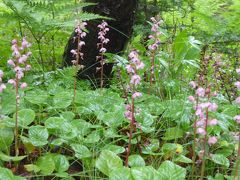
(2, 85)
(135, 64)
(102, 36)
(19, 62)
(155, 36)
(202, 107)
(80, 34)
(237, 101)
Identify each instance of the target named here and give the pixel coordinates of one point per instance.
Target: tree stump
(122, 13)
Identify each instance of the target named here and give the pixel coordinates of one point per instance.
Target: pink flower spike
(129, 69)
(23, 85)
(212, 140)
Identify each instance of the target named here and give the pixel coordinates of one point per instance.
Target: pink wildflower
(237, 119)
(212, 140)
(201, 131)
(136, 94)
(200, 92)
(213, 122)
(135, 79)
(23, 85)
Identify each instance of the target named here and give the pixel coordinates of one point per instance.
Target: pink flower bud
(212, 140)
(2, 87)
(192, 84)
(200, 92)
(213, 122)
(191, 99)
(237, 119)
(213, 107)
(11, 81)
(238, 70)
(11, 62)
(1, 73)
(23, 85)
(237, 100)
(201, 131)
(136, 94)
(237, 84)
(135, 79)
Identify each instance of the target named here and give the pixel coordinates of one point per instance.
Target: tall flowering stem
(19, 65)
(154, 38)
(237, 119)
(80, 34)
(102, 49)
(132, 68)
(203, 106)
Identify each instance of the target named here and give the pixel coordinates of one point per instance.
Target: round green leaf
(108, 161)
(38, 135)
(169, 171)
(61, 163)
(81, 151)
(136, 161)
(62, 100)
(6, 138)
(220, 159)
(25, 117)
(122, 173)
(46, 164)
(8, 175)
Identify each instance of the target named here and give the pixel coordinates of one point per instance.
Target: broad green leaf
(114, 148)
(92, 138)
(25, 117)
(6, 138)
(5, 157)
(220, 159)
(62, 100)
(68, 115)
(182, 158)
(46, 164)
(81, 151)
(108, 161)
(173, 133)
(7, 174)
(61, 163)
(136, 161)
(8, 102)
(39, 99)
(170, 171)
(32, 168)
(38, 135)
(122, 173)
(145, 173)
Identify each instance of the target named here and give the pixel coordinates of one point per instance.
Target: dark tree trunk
(122, 11)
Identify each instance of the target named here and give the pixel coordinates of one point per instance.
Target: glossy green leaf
(170, 171)
(61, 163)
(136, 161)
(46, 164)
(220, 159)
(25, 117)
(7, 174)
(108, 161)
(81, 151)
(38, 135)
